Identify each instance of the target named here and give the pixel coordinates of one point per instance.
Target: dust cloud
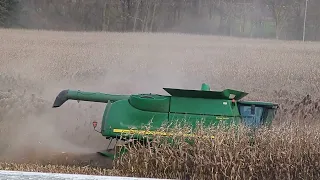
(36, 65)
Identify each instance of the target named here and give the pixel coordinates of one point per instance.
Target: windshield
(249, 119)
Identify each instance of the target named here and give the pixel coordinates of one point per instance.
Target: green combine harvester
(124, 115)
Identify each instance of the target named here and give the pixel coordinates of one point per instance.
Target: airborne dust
(36, 65)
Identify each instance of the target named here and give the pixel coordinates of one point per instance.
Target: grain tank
(128, 113)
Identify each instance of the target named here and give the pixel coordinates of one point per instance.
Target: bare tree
(297, 18)
(155, 6)
(172, 15)
(281, 11)
(136, 14)
(313, 20)
(106, 16)
(7, 9)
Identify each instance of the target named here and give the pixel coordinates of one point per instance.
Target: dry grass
(287, 152)
(36, 65)
(57, 169)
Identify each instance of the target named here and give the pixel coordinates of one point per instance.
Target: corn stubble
(283, 152)
(290, 149)
(56, 169)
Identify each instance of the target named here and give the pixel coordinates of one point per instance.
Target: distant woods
(281, 19)
(7, 10)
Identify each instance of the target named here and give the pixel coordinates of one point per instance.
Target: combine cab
(125, 114)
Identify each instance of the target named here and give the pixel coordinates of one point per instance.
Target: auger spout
(65, 95)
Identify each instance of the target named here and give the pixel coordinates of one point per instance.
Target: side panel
(123, 116)
(150, 102)
(208, 111)
(205, 120)
(203, 106)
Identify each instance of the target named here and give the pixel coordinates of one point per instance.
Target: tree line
(280, 19)
(7, 10)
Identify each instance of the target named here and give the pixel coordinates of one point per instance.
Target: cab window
(252, 115)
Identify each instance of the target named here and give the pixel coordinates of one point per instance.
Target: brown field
(36, 65)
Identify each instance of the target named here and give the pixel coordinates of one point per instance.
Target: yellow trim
(150, 132)
(222, 118)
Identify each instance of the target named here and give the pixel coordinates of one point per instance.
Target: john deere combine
(125, 114)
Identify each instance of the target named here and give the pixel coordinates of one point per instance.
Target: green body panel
(202, 106)
(130, 113)
(205, 119)
(149, 102)
(122, 115)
